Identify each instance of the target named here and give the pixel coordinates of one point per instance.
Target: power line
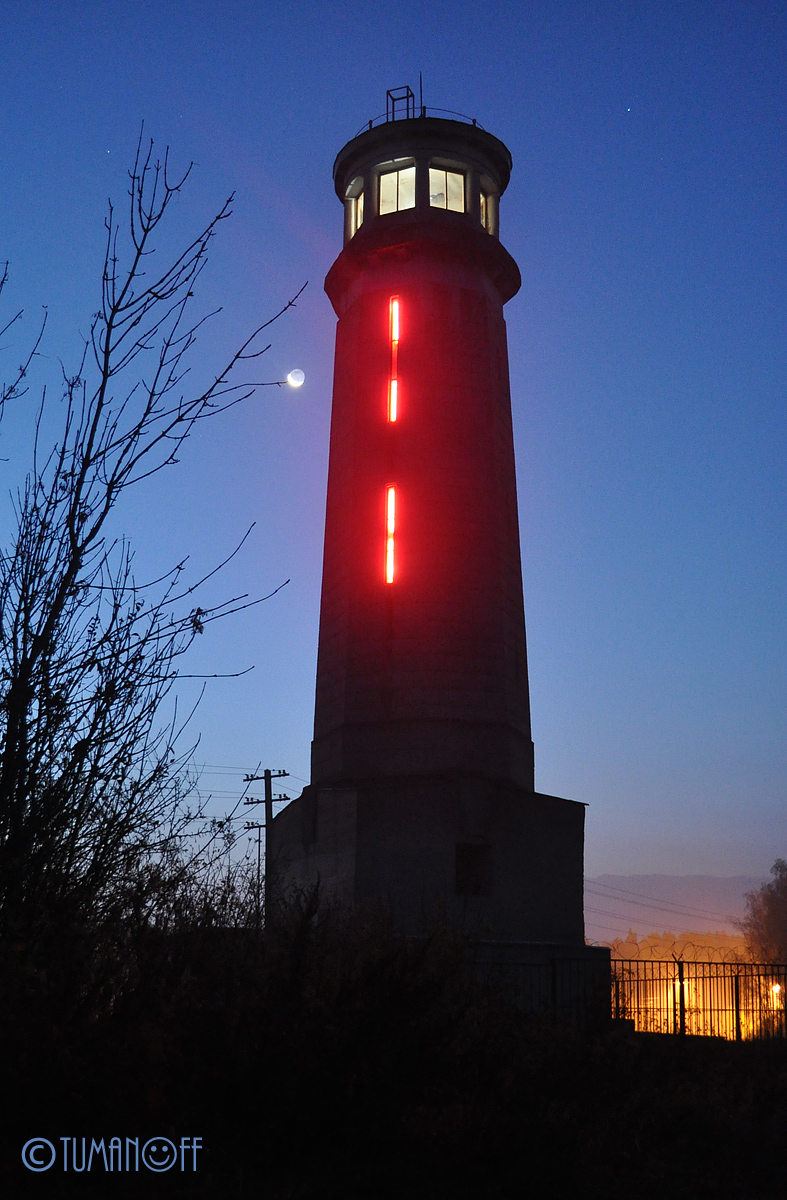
(677, 911)
(661, 904)
(589, 883)
(223, 794)
(211, 768)
(609, 928)
(625, 919)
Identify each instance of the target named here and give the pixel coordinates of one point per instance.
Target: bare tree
(91, 785)
(765, 923)
(16, 386)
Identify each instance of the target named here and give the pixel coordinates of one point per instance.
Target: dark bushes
(330, 1059)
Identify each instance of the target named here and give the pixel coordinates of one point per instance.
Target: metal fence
(556, 987)
(738, 1001)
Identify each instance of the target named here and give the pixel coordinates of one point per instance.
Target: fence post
(553, 986)
(674, 994)
(737, 993)
(681, 999)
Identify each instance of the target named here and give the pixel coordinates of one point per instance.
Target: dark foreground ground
(335, 1062)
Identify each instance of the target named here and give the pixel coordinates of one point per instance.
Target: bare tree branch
(91, 786)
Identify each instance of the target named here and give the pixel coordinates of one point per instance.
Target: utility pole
(259, 826)
(267, 777)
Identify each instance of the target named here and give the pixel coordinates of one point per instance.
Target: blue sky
(648, 355)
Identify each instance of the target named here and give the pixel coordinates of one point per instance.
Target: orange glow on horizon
(390, 522)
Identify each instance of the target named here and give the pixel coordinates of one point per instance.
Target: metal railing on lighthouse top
(400, 105)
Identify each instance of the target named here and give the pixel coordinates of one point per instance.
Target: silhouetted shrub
(331, 1059)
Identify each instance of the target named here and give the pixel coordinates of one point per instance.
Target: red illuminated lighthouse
(422, 794)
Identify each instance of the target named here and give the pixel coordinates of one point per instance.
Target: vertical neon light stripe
(393, 399)
(390, 524)
(393, 412)
(395, 319)
(393, 380)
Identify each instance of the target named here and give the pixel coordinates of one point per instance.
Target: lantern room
(422, 167)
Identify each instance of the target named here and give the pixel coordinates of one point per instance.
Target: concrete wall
(314, 840)
(396, 841)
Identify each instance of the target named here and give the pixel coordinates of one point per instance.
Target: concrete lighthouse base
(494, 860)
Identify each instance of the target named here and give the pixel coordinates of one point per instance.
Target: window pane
(483, 212)
(407, 187)
(455, 191)
(436, 188)
(388, 192)
(356, 213)
(473, 870)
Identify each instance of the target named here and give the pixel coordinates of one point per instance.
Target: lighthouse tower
(422, 794)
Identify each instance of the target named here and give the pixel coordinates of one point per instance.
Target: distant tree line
(765, 924)
(690, 945)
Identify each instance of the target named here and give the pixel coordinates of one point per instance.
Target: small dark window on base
(473, 869)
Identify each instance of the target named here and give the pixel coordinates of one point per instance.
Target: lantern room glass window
(397, 190)
(356, 213)
(488, 205)
(485, 213)
(353, 204)
(446, 189)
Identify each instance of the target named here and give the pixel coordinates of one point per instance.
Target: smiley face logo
(159, 1154)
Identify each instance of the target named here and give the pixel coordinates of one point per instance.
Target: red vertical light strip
(390, 527)
(393, 412)
(393, 380)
